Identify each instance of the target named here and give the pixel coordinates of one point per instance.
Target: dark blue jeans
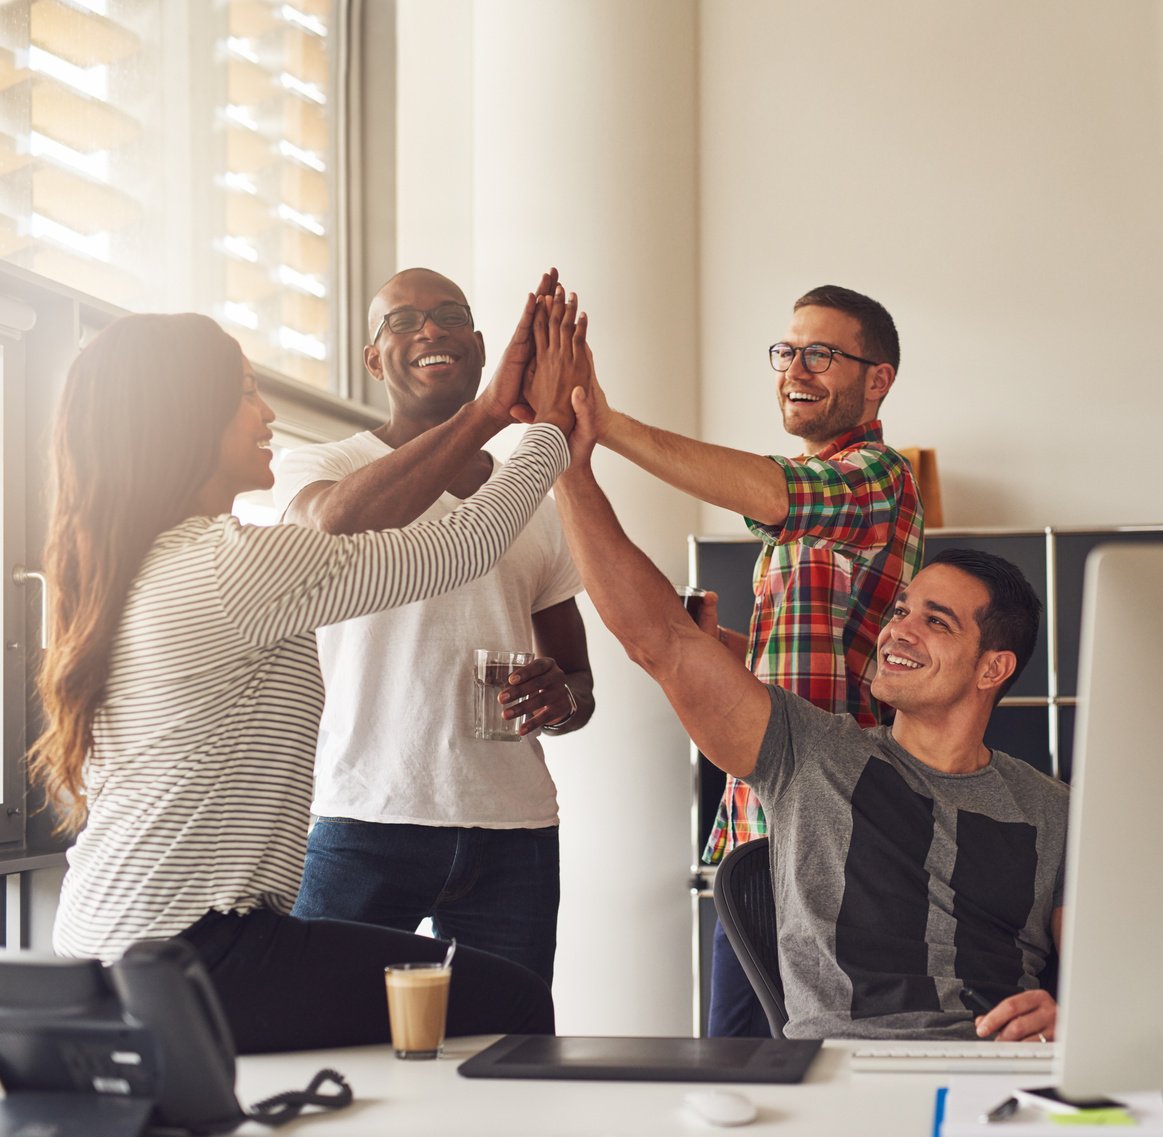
(735, 1010)
(492, 889)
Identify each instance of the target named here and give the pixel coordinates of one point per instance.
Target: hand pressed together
(561, 363)
(502, 398)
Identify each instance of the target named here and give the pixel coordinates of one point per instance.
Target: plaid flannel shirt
(824, 582)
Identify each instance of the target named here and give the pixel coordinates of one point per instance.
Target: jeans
(287, 984)
(735, 1010)
(492, 889)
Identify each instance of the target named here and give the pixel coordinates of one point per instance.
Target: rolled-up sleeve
(847, 504)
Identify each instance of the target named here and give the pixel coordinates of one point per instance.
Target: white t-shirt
(397, 742)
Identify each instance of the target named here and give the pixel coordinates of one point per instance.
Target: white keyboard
(955, 1057)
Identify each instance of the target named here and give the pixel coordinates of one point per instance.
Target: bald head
(430, 357)
(405, 283)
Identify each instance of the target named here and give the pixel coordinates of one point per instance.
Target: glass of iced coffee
(417, 1007)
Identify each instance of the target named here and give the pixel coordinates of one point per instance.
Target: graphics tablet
(643, 1059)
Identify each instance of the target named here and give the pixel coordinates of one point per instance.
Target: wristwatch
(555, 727)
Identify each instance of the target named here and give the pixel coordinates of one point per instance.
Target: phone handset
(163, 985)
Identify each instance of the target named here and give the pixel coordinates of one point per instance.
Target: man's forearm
(745, 483)
(393, 491)
(625, 586)
(721, 705)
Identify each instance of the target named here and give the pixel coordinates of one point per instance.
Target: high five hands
(545, 363)
(561, 362)
(502, 397)
(548, 369)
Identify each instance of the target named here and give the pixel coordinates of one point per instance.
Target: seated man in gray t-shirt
(909, 860)
(899, 883)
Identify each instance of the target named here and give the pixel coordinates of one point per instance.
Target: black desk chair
(745, 904)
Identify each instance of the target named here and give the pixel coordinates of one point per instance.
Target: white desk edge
(399, 1099)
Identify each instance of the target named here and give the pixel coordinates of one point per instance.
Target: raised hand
(599, 407)
(503, 394)
(584, 436)
(563, 360)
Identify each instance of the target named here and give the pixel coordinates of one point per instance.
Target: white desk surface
(402, 1099)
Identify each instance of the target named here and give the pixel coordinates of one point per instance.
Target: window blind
(177, 154)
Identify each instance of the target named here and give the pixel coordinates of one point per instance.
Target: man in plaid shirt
(841, 527)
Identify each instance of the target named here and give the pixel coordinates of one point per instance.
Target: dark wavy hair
(1010, 621)
(136, 437)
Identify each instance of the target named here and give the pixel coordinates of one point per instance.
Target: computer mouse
(721, 1107)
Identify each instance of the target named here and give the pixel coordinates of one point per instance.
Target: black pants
(291, 984)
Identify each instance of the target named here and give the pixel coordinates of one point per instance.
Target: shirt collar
(865, 432)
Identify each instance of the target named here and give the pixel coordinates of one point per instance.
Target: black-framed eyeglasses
(405, 320)
(817, 357)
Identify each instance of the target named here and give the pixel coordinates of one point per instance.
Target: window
(180, 154)
(275, 181)
(42, 325)
(14, 319)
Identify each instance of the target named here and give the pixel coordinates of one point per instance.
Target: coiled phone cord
(284, 1107)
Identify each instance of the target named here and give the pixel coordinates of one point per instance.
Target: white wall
(990, 169)
(45, 890)
(532, 134)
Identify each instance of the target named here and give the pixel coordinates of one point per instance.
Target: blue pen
(939, 1111)
(976, 1001)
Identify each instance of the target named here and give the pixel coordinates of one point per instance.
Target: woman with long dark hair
(181, 687)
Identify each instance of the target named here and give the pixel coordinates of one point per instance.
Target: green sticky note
(1093, 1117)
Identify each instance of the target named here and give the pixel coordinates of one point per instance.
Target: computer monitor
(1110, 1025)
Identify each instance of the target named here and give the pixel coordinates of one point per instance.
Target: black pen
(1000, 1112)
(975, 1000)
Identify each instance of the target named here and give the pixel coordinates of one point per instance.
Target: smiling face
(929, 652)
(432, 372)
(244, 452)
(818, 408)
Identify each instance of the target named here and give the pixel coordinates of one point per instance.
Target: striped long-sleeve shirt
(199, 783)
